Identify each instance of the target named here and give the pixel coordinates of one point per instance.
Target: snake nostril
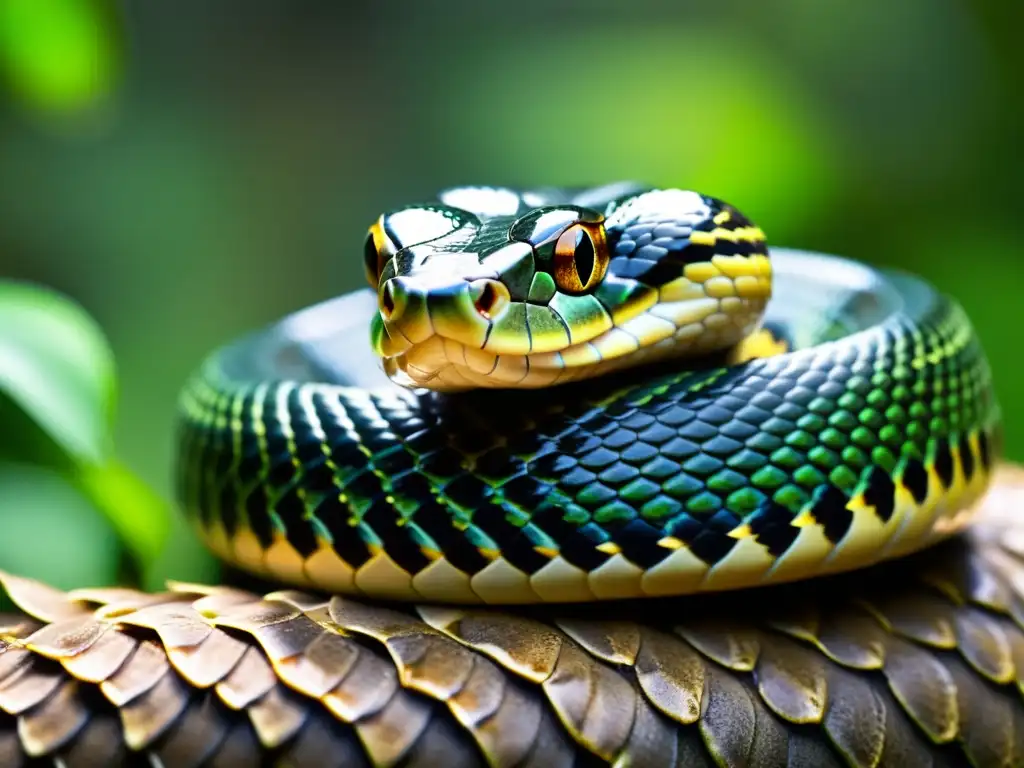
(486, 300)
(489, 298)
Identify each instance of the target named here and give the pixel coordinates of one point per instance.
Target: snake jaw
(681, 320)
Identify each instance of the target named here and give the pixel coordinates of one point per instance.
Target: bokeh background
(186, 171)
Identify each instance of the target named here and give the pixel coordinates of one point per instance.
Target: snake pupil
(579, 263)
(584, 257)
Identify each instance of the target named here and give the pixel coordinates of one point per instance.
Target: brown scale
(916, 662)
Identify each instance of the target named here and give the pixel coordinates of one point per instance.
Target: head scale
(494, 288)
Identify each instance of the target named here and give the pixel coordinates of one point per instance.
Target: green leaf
(140, 517)
(57, 373)
(56, 366)
(52, 532)
(59, 55)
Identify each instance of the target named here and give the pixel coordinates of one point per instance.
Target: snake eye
(581, 258)
(377, 249)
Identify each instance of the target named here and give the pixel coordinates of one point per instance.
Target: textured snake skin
(653, 483)
(918, 662)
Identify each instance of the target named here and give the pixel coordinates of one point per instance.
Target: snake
(548, 440)
(585, 476)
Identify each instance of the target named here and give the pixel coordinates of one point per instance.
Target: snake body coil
(640, 420)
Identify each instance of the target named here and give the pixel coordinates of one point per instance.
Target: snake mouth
(444, 364)
(470, 334)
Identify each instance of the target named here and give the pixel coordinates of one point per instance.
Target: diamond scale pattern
(633, 465)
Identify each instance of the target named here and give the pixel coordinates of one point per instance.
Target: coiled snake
(570, 400)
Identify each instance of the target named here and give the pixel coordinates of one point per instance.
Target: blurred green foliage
(59, 56)
(186, 172)
(62, 486)
(57, 367)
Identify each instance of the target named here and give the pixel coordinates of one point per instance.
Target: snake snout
(416, 308)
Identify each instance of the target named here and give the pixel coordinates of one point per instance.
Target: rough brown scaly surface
(916, 662)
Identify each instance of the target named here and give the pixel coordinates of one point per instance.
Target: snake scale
(609, 481)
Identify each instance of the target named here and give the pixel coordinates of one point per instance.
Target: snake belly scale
(575, 395)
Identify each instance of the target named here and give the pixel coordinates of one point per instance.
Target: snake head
(495, 288)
